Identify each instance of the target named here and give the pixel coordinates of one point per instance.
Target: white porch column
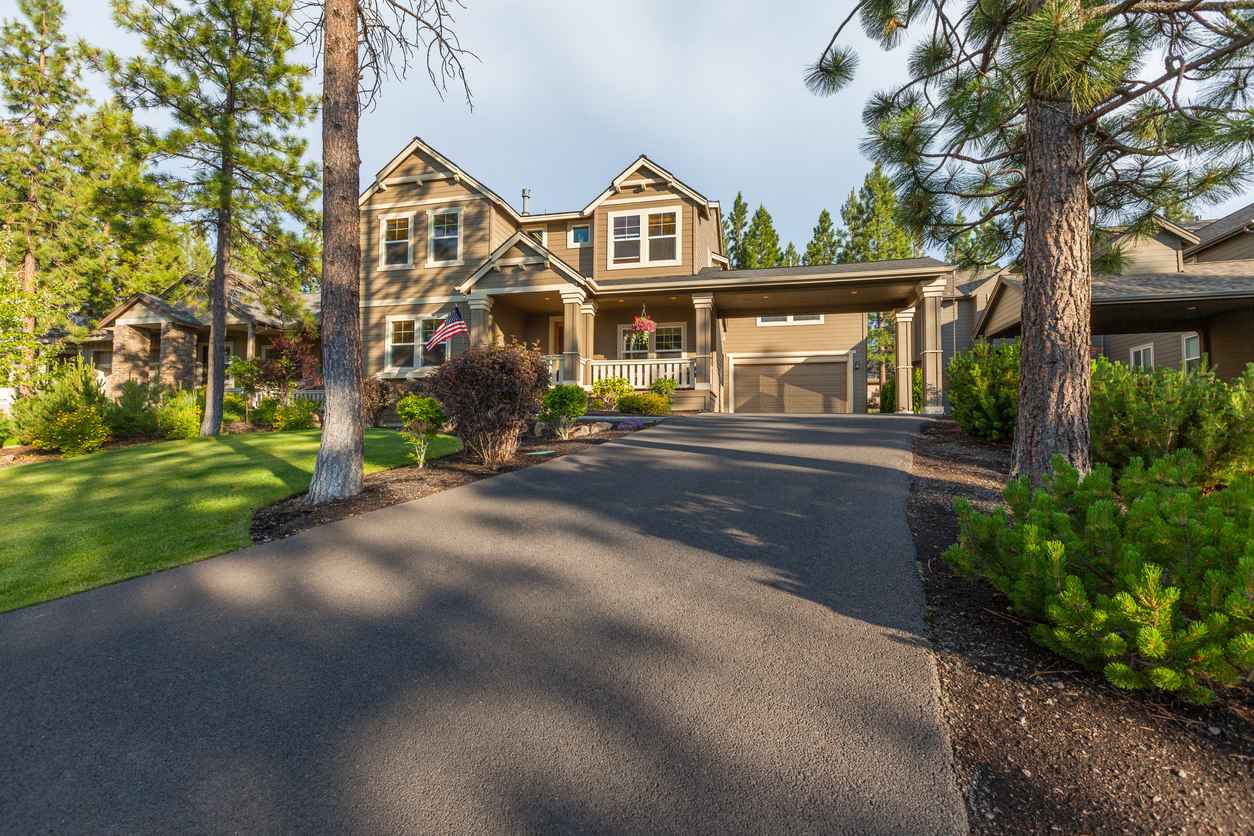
(905, 352)
(703, 303)
(933, 355)
(587, 324)
(572, 340)
(480, 321)
(250, 347)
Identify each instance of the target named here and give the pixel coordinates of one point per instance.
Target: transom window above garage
(791, 319)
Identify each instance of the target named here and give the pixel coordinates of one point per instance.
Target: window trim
(419, 354)
(822, 318)
(570, 235)
(383, 241)
(1139, 348)
(544, 234)
(1184, 349)
(652, 350)
(646, 259)
(461, 236)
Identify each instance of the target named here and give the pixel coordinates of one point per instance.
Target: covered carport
(1215, 299)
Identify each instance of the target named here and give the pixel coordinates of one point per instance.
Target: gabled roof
(167, 310)
(1234, 223)
(525, 240)
(1189, 237)
(417, 144)
(671, 180)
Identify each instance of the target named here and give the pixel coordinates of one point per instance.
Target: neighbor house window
(402, 350)
(627, 239)
(661, 228)
(791, 319)
(446, 237)
(1191, 352)
(1142, 356)
(204, 364)
(667, 340)
(406, 340)
(663, 240)
(579, 235)
(396, 242)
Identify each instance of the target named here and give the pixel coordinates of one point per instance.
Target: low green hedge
(644, 403)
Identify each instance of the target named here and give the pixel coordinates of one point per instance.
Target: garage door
(809, 386)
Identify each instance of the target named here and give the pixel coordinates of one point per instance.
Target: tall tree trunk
(211, 423)
(337, 474)
(1054, 360)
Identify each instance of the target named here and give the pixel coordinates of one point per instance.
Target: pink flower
(643, 324)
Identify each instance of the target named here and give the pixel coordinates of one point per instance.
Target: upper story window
(445, 240)
(397, 242)
(791, 319)
(644, 238)
(539, 234)
(579, 235)
(1141, 356)
(1191, 352)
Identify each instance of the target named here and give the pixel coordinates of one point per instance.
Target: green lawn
(71, 525)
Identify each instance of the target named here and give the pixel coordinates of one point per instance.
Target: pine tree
(1045, 118)
(735, 226)
(790, 258)
(761, 242)
(220, 70)
(824, 246)
(975, 247)
(872, 230)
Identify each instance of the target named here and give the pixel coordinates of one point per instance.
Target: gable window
(663, 240)
(1191, 352)
(406, 338)
(445, 242)
(396, 242)
(540, 235)
(1141, 356)
(667, 340)
(579, 235)
(644, 237)
(626, 249)
(791, 319)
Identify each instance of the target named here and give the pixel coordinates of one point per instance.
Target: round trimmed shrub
(563, 405)
(608, 390)
(644, 403)
(423, 418)
(984, 390)
(664, 386)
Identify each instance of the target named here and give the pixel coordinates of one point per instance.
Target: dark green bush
(423, 418)
(133, 414)
(563, 405)
(644, 403)
(178, 416)
(234, 407)
(1149, 414)
(984, 390)
(490, 393)
(296, 414)
(263, 414)
(664, 386)
(1154, 585)
(72, 390)
(608, 390)
(6, 430)
(888, 393)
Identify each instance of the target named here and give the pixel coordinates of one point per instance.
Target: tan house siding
(1159, 253)
(1006, 309)
(1235, 248)
(557, 239)
(420, 281)
(1231, 347)
(1168, 347)
(374, 330)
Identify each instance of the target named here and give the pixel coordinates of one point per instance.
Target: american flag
(452, 326)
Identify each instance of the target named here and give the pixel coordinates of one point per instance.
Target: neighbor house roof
(172, 311)
(1231, 224)
(925, 264)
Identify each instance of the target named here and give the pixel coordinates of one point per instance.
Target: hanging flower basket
(641, 327)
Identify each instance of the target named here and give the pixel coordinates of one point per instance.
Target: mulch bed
(1040, 745)
(402, 484)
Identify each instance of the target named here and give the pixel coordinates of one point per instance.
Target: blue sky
(566, 93)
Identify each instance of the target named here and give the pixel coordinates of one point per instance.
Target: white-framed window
(406, 336)
(790, 319)
(540, 234)
(444, 237)
(579, 235)
(667, 341)
(1141, 356)
(1191, 352)
(396, 248)
(645, 237)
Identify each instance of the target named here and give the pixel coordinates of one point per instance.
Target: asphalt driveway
(711, 627)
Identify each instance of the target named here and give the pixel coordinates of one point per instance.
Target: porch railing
(642, 373)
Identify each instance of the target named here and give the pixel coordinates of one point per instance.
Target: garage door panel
(793, 387)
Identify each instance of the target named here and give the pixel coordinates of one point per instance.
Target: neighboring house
(1183, 292)
(789, 339)
(165, 338)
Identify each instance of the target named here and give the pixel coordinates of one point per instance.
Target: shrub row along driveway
(711, 626)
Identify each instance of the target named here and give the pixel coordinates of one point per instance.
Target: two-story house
(777, 340)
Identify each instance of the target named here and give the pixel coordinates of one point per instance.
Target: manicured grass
(71, 525)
